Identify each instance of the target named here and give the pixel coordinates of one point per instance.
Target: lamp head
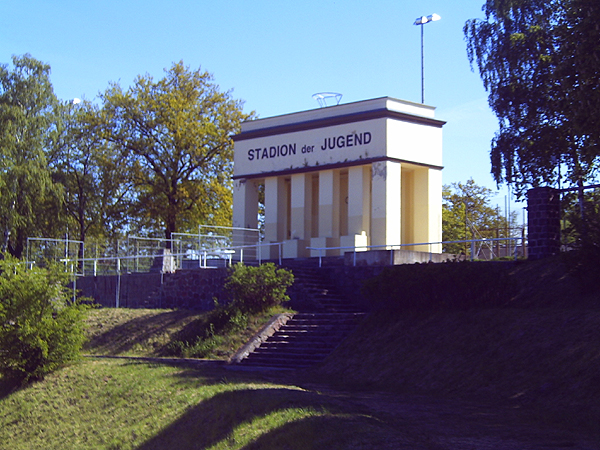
(426, 19)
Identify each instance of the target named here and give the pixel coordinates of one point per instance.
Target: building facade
(359, 174)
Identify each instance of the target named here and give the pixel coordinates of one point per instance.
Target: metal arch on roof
(322, 98)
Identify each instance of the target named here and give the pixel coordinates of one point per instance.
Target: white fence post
(280, 251)
(118, 293)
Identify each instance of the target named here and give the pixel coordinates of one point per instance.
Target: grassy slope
(539, 352)
(538, 348)
(133, 332)
(148, 332)
(108, 404)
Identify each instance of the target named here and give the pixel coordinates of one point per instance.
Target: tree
(539, 61)
(467, 214)
(29, 201)
(571, 219)
(96, 185)
(176, 134)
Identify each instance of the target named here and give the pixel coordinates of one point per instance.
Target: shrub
(40, 328)
(252, 290)
(255, 289)
(200, 338)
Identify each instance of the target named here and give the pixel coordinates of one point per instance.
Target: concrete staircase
(309, 336)
(306, 339)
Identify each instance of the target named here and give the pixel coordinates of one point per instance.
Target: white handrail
(203, 256)
(393, 247)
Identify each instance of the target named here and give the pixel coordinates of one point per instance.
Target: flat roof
(339, 114)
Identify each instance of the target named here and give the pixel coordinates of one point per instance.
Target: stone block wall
(192, 289)
(133, 290)
(543, 216)
(186, 289)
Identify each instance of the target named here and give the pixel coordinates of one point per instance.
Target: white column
(245, 203)
(301, 210)
(359, 212)
(245, 212)
(301, 220)
(275, 212)
(329, 204)
(359, 186)
(329, 213)
(435, 209)
(428, 208)
(385, 203)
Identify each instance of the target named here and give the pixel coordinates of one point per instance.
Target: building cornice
(360, 162)
(337, 120)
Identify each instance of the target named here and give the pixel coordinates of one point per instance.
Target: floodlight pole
(422, 21)
(422, 68)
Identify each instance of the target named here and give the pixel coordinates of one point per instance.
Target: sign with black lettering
(310, 148)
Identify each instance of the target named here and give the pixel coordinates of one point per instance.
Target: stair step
(294, 353)
(314, 336)
(294, 347)
(279, 361)
(306, 341)
(309, 337)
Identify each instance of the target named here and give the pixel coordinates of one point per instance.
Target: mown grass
(156, 333)
(533, 350)
(524, 335)
(121, 404)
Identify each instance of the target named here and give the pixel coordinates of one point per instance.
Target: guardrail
(71, 264)
(362, 248)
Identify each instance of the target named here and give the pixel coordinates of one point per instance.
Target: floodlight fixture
(426, 19)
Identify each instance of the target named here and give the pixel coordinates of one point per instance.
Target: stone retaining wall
(186, 289)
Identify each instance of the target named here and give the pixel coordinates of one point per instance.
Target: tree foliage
(155, 158)
(96, 186)
(29, 201)
(468, 214)
(571, 219)
(539, 61)
(176, 135)
(40, 328)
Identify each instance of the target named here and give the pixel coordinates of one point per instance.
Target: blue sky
(273, 54)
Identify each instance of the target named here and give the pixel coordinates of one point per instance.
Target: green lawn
(126, 404)
(148, 332)
(519, 375)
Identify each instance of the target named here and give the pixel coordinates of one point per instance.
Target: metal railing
(362, 248)
(227, 253)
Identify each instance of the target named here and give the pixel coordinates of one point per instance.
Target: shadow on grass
(329, 432)
(215, 420)
(7, 387)
(125, 337)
